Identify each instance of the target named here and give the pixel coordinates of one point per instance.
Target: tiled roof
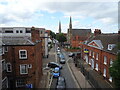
(107, 39)
(17, 41)
(81, 32)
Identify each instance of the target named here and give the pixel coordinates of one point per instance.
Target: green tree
(52, 34)
(115, 70)
(61, 38)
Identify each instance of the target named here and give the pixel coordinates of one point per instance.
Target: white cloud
(16, 11)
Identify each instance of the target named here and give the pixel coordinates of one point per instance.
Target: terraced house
(99, 52)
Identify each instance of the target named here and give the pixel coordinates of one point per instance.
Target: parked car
(58, 53)
(53, 65)
(62, 56)
(62, 60)
(61, 84)
(71, 54)
(56, 72)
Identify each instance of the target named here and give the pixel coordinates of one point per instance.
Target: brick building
(23, 60)
(99, 51)
(3, 76)
(76, 36)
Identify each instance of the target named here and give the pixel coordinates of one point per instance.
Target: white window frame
(10, 67)
(97, 55)
(90, 53)
(89, 61)
(17, 82)
(111, 62)
(96, 67)
(6, 82)
(93, 54)
(3, 65)
(6, 49)
(21, 68)
(110, 79)
(3, 50)
(20, 54)
(105, 60)
(104, 72)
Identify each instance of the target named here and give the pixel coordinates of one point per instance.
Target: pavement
(80, 78)
(44, 83)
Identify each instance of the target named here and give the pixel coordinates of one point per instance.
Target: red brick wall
(33, 57)
(100, 60)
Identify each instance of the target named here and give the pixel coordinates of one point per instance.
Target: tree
(61, 38)
(52, 34)
(115, 70)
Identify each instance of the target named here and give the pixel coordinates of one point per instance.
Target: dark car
(53, 65)
(62, 60)
(61, 84)
(71, 54)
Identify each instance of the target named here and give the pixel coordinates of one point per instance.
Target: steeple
(59, 27)
(70, 25)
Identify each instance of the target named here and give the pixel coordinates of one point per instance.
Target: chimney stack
(119, 31)
(35, 34)
(97, 32)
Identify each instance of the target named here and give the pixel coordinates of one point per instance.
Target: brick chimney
(97, 32)
(119, 31)
(35, 34)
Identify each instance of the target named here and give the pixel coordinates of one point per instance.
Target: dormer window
(111, 46)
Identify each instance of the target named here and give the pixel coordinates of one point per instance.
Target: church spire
(70, 25)
(59, 27)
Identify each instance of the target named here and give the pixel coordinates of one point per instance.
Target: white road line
(73, 76)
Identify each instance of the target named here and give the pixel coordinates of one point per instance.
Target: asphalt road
(66, 73)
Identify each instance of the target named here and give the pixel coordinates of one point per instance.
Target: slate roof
(81, 32)
(107, 39)
(17, 41)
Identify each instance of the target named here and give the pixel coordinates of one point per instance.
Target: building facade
(23, 60)
(100, 51)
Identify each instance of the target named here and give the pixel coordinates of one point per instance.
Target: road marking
(73, 75)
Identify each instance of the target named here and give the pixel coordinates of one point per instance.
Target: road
(66, 73)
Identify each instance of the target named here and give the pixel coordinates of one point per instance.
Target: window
(96, 56)
(110, 79)
(93, 54)
(96, 67)
(6, 49)
(28, 31)
(111, 62)
(20, 83)
(22, 54)
(41, 32)
(90, 61)
(3, 65)
(5, 83)
(104, 73)
(9, 67)
(17, 31)
(24, 69)
(105, 60)
(20, 31)
(10, 31)
(1, 51)
(90, 53)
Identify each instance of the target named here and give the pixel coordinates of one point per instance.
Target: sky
(86, 14)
